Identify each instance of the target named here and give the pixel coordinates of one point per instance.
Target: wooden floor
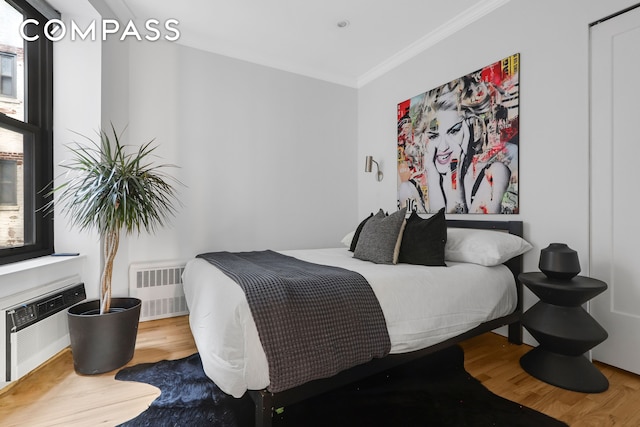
(54, 395)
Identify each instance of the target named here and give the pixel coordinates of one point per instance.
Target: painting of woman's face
(467, 125)
(446, 133)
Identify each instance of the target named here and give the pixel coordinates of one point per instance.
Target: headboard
(511, 227)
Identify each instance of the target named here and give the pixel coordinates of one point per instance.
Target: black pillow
(356, 235)
(424, 240)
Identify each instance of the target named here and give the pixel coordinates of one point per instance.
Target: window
(7, 74)
(26, 134)
(8, 182)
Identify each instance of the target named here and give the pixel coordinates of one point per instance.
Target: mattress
(422, 307)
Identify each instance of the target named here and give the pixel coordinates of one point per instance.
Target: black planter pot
(102, 343)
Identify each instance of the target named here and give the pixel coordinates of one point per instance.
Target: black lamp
(559, 261)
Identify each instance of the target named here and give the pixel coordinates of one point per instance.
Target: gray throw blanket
(313, 320)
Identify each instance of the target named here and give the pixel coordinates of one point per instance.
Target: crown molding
(445, 30)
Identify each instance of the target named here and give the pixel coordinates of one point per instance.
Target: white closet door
(615, 186)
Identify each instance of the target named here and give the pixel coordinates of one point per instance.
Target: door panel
(615, 186)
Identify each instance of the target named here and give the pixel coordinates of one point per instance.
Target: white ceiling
(303, 37)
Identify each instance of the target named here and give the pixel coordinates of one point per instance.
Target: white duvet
(422, 306)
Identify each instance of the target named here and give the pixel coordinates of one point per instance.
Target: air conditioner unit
(159, 286)
(34, 324)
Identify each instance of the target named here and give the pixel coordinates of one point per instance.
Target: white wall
(552, 38)
(77, 107)
(267, 157)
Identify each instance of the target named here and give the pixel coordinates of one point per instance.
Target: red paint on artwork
(492, 74)
(403, 108)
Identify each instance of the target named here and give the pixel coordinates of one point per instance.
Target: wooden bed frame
(266, 402)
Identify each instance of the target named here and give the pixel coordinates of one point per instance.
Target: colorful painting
(458, 144)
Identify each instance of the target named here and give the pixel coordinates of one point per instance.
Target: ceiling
(303, 37)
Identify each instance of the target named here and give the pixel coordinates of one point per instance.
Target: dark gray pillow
(424, 240)
(380, 237)
(356, 235)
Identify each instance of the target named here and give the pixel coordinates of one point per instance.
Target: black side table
(565, 332)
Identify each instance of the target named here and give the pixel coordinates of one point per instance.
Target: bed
(426, 309)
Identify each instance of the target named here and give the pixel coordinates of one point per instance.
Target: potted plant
(114, 189)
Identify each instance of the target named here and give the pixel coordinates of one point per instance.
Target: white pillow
(346, 240)
(484, 247)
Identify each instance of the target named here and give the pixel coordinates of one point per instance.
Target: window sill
(10, 99)
(31, 264)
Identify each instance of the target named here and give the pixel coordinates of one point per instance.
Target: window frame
(38, 142)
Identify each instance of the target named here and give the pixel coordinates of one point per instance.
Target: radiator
(159, 286)
(35, 326)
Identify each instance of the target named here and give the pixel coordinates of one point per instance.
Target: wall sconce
(368, 164)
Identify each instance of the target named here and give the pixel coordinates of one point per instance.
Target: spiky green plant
(111, 190)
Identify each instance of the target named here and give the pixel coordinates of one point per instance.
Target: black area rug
(434, 391)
